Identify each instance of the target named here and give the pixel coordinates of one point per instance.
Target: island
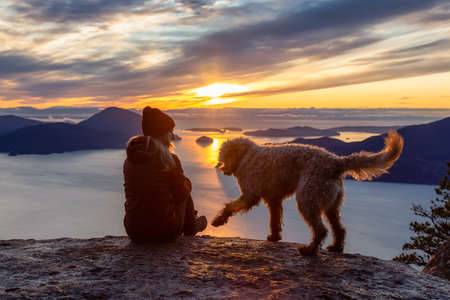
(218, 130)
(368, 129)
(297, 131)
(232, 128)
(205, 140)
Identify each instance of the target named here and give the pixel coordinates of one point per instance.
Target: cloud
(11, 64)
(328, 19)
(100, 48)
(72, 11)
(436, 16)
(400, 53)
(231, 114)
(77, 113)
(68, 11)
(20, 64)
(404, 69)
(324, 30)
(196, 4)
(438, 45)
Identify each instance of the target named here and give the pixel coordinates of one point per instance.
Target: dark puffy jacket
(153, 196)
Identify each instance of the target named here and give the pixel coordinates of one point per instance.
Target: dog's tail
(366, 165)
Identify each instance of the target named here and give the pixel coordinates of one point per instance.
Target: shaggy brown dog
(274, 173)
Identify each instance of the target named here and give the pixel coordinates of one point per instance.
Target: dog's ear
(235, 153)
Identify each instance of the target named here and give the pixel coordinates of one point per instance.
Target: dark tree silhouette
(434, 231)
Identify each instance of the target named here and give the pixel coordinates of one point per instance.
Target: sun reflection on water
(213, 151)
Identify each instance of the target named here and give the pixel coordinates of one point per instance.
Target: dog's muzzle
(228, 173)
(221, 166)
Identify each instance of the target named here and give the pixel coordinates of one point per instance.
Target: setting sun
(215, 90)
(219, 89)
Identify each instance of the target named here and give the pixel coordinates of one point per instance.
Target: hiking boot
(200, 224)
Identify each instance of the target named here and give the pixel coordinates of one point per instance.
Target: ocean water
(80, 194)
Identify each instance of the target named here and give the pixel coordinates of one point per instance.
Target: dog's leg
(243, 202)
(310, 209)
(276, 214)
(312, 216)
(334, 218)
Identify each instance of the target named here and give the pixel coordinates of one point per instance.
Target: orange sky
(334, 54)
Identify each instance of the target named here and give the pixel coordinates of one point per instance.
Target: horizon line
(227, 107)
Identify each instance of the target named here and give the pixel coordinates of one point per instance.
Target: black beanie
(155, 123)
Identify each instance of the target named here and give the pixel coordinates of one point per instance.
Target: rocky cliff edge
(200, 268)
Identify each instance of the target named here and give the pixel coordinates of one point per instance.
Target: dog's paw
(305, 250)
(273, 237)
(335, 248)
(218, 221)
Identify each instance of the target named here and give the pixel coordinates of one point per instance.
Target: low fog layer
(233, 116)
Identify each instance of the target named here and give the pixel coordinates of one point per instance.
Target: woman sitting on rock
(158, 204)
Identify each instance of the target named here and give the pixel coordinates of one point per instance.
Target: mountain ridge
(10, 123)
(427, 146)
(108, 129)
(114, 119)
(47, 138)
(295, 131)
(426, 150)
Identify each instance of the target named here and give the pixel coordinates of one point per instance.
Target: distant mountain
(426, 150)
(59, 137)
(370, 129)
(233, 128)
(296, 131)
(219, 130)
(306, 131)
(427, 146)
(10, 123)
(110, 128)
(114, 119)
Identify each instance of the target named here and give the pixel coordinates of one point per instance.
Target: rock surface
(200, 268)
(439, 264)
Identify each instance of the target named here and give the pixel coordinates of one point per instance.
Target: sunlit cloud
(131, 53)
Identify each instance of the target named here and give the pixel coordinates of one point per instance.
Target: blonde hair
(164, 147)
